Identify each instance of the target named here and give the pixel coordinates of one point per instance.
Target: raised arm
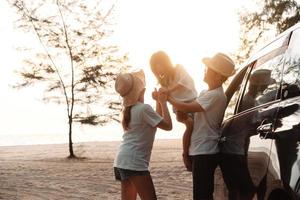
(166, 123)
(158, 106)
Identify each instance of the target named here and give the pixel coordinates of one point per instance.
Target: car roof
(256, 54)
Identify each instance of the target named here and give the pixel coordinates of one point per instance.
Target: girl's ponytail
(126, 117)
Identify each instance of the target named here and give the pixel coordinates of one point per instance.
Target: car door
(287, 128)
(247, 131)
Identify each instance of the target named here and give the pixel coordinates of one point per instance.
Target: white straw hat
(221, 64)
(129, 86)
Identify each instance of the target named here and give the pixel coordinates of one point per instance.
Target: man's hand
(187, 162)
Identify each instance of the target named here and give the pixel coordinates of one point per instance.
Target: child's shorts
(124, 174)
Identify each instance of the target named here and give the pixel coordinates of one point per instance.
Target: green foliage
(271, 17)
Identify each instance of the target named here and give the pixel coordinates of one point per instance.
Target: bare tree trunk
(70, 107)
(72, 155)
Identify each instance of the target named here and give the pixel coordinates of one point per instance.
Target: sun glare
(186, 30)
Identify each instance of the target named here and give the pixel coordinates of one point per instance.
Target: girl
(139, 123)
(177, 83)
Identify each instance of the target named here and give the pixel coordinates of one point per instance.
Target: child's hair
(161, 59)
(126, 117)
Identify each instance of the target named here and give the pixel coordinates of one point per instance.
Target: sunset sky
(186, 29)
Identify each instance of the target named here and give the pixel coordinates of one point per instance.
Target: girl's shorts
(124, 174)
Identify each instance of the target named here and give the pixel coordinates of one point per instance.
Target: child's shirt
(207, 131)
(188, 91)
(135, 150)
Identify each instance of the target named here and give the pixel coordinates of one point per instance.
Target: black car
(262, 120)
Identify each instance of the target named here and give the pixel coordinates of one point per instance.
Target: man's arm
(186, 107)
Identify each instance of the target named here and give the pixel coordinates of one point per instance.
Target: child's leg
(128, 190)
(144, 187)
(186, 140)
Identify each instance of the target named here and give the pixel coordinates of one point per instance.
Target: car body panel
(272, 130)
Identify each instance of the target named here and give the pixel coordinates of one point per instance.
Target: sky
(187, 30)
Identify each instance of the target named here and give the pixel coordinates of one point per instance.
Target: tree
(77, 63)
(272, 17)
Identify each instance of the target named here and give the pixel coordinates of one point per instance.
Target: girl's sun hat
(130, 86)
(220, 63)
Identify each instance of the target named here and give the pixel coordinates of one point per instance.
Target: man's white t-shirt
(188, 91)
(206, 131)
(135, 149)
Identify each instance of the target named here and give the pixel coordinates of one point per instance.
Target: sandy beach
(42, 172)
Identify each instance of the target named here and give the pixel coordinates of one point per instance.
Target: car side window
(263, 83)
(291, 73)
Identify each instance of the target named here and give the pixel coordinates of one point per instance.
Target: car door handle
(265, 131)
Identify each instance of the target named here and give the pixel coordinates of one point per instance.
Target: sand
(43, 172)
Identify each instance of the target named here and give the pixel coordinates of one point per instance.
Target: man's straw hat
(130, 86)
(221, 64)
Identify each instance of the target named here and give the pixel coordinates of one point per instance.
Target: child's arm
(166, 123)
(158, 106)
(185, 107)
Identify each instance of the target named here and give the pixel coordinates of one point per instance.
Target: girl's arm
(186, 107)
(158, 106)
(166, 123)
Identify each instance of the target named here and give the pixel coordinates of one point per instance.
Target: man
(209, 108)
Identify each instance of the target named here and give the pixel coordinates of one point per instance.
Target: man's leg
(203, 176)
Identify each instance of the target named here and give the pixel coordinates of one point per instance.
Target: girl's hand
(162, 97)
(164, 90)
(155, 94)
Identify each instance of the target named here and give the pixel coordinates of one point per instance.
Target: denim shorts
(124, 174)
